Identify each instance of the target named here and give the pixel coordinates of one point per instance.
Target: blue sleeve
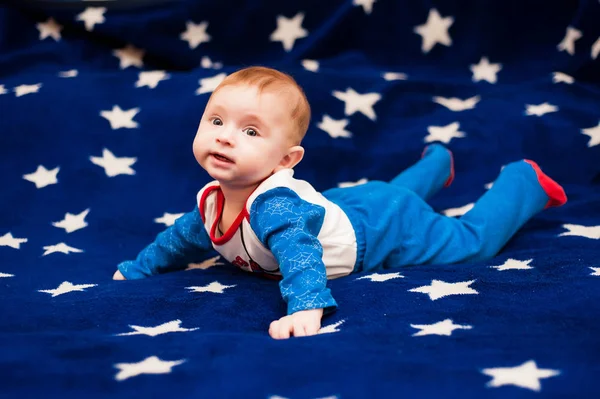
(288, 226)
(170, 249)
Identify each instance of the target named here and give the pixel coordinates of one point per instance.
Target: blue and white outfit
(293, 233)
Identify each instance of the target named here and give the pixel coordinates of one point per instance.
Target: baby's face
(243, 135)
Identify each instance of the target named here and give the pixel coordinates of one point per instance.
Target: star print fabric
(99, 104)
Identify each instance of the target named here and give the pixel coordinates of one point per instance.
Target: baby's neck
(235, 197)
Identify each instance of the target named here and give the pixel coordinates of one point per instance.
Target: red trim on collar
(202, 203)
(234, 226)
(220, 204)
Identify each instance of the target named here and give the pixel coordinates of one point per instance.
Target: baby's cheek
(198, 148)
(201, 137)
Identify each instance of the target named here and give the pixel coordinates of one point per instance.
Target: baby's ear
(294, 156)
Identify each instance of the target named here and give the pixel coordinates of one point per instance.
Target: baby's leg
(521, 191)
(433, 171)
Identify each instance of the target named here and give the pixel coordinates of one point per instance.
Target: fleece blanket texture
(99, 104)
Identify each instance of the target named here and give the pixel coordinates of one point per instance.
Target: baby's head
(252, 126)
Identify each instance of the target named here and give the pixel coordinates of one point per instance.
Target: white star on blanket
(119, 118)
(559, 77)
(331, 328)
(214, 287)
(66, 287)
(8, 240)
(50, 28)
(452, 212)
(540, 109)
(439, 289)
(353, 183)
(151, 78)
(310, 65)
(391, 76)
(434, 31)
(485, 71)
(512, 264)
(335, 128)
(444, 327)
(526, 375)
(22, 90)
(71, 73)
(43, 177)
(444, 133)
(206, 62)
(456, 104)
(91, 16)
(289, 30)
(595, 49)
(205, 264)
(381, 277)
(130, 56)
(168, 218)
(593, 133)
(60, 247)
(114, 166)
(568, 43)
(355, 102)
(592, 232)
(367, 5)
(195, 34)
(208, 85)
(170, 326)
(150, 365)
(72, 222)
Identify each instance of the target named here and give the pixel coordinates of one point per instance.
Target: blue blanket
(100, 102)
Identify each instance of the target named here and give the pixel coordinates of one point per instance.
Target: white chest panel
(248, 254)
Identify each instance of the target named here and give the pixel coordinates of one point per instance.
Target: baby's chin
(234, 180)
(221, 177)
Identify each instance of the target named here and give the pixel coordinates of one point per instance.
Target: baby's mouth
(221, 157)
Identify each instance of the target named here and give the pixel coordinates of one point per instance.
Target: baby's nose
(225, 135)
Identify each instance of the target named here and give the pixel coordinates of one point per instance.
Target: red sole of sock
(554, 191)
(451, 178)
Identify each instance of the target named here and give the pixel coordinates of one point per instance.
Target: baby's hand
(118, 276)
(302, 324)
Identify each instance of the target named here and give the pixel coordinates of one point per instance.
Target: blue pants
(396, 227)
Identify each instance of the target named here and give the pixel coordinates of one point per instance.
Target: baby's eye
(251, 132)
(217, 121)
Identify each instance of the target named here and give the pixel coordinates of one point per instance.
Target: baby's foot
(118, 276)
(554, 191)
(438, 148)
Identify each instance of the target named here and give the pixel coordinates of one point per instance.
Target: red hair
(264, 78)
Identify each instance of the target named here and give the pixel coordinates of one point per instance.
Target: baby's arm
(170, 248)
(289, 227)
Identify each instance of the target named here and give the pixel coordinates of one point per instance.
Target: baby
(263, 220)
